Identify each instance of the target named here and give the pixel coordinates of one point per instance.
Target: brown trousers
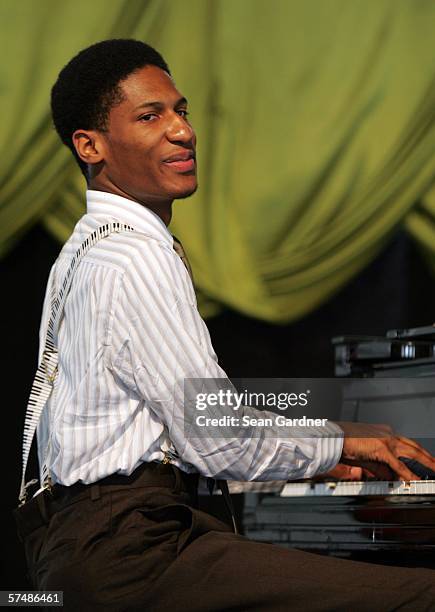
(138, 546)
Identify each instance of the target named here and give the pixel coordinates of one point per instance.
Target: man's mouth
(182, 162)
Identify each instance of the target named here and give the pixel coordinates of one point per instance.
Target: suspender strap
(47, 369)
(223, 486)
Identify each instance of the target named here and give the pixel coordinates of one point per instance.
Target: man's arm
(159, 340)
(164, 341)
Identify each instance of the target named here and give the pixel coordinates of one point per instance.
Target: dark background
(396, 290)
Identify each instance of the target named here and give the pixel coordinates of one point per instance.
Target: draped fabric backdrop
(315, 123)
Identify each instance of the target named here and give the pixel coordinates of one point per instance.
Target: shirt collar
(127, 211)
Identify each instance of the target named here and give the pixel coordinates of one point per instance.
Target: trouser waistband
(39, 510)
(146, 475)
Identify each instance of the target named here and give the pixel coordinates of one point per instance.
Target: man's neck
(163, 209)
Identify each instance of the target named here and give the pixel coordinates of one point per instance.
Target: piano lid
(426, 332)
(361, 355)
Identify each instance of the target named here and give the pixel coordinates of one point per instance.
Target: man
(121, 530)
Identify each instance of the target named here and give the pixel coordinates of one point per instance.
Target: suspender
(47, 369)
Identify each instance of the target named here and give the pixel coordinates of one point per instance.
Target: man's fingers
(342, 472)
(400, 468)
(414, 451)
(370, 475)
(420, 451)
(347, 472)
(372, 469)
(377, 470)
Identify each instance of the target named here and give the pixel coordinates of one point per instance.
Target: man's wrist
(330, 447)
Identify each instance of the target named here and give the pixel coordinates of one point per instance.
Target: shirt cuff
(329, 448)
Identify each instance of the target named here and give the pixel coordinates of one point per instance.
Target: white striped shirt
(130, 335)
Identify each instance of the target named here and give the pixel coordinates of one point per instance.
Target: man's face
(149, 148)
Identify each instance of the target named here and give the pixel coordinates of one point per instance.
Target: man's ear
(89, 145)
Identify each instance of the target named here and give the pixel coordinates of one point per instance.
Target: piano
(377, 521)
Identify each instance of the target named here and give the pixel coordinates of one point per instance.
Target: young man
(120, 529)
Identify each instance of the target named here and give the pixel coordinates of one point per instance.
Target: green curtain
(315, 123)
(420, 223)
(38, 38)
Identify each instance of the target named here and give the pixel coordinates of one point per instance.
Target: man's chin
(185, 193)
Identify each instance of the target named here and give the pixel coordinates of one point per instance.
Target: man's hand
(376, 449)
(341, 472)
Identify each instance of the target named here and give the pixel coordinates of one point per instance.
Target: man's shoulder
(119, 250)
(128, 249)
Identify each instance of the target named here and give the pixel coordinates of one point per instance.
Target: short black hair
(88, 87)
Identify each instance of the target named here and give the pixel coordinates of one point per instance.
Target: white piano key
(326, 489)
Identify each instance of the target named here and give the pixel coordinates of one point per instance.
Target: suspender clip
(166, 458)
(23, 497)
(47, 486)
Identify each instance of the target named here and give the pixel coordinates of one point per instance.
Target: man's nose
(179, 130)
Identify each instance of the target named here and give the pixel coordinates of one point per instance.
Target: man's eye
(183, 113)
(148, 117)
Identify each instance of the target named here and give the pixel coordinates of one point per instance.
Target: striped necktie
(178, 248)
